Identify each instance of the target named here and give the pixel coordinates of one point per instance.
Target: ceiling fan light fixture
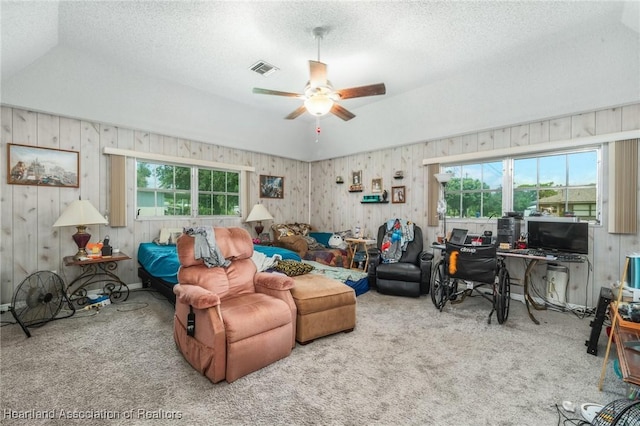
(319, 105)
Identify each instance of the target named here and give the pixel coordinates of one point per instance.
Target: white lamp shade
(443, 177)
(258, 213)
(318, 105)
(80, 212)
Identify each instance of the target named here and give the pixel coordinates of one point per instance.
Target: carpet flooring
(405, 363)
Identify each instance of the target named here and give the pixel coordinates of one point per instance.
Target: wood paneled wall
(334, 208)
(29, 243)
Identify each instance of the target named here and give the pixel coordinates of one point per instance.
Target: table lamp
(80, 213)
(443, 178)
(258, 214)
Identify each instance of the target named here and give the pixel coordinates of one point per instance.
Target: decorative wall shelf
(355, 190)
(374, 202)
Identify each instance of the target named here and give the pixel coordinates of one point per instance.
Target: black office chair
(409, 276)
(472, 267)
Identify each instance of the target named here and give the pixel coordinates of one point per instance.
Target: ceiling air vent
(263, 68)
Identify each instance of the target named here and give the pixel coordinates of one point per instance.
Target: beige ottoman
(325, 306)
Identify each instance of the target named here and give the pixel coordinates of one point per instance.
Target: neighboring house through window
(165, 189)
(558, 184)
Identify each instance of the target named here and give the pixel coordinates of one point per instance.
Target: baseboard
(94, 292)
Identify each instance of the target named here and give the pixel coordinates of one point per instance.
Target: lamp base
(259, 228)
(81, 238)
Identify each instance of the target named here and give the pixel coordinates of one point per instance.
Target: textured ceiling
(209, 46)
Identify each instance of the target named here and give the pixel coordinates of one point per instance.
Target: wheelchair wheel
(438, 286)
(504, 295)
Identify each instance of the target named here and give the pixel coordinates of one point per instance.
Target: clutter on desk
(629, 311)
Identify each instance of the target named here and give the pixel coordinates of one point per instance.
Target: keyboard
(569, 257)
(526, 252)
(560, 257)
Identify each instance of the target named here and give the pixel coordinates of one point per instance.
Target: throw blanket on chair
(205, 247)
(399, 234)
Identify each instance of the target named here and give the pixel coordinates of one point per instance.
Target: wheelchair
(464, 269)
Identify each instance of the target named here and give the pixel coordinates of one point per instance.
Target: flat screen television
(565, 237)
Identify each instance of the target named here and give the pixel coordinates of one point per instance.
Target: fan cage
(622, 412)
(39, 298)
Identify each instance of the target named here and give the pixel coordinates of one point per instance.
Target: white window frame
(194, 191)
(597, 141)
(147, 156)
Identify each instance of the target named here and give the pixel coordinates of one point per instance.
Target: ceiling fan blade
(277, 93)
(317, 74)
(299, 111)
(359, 92)
(341, 112)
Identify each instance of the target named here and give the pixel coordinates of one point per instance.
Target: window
(475, 190)
(558, 184)
(169, 190)
(218, 193)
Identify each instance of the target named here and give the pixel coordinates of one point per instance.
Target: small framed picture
(397, 194)
(271, 186)
(376, 185)
(357, 178)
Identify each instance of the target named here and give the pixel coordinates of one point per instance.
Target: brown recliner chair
(231, 321)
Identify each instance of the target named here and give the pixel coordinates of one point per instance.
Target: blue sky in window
(582, 168)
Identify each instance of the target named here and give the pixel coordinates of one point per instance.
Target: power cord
(578, 312)
(565, 420)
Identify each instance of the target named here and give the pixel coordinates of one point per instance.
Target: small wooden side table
(97, 270)
(352, 246)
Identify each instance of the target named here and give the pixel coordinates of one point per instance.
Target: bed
(309, 245)
(159, 268)
(159, 265)
(356, 279)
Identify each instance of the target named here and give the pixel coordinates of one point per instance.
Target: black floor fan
(38, 300)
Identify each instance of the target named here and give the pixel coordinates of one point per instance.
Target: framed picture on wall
(376, 185)
(356, 178)
(32, 165)
(271, 186)
(398, 194)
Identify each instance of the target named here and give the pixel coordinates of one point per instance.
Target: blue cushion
(321, 237)
(360, 286)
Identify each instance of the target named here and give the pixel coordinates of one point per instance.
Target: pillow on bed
(321, 237)
(168, 236)
(292, 268)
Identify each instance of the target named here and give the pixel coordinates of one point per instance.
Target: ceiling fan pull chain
(317, 129)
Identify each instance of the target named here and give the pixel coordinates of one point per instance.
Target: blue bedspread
(162, 261)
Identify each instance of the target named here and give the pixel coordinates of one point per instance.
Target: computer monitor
(458, 236)
(560, 236)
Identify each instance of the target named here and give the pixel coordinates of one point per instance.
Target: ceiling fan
(320, 98)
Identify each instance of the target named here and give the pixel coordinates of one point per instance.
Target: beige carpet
(405, 363)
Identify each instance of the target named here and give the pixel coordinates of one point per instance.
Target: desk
(352, 247)
(98, 270)
(532, 262)
(626, 338)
